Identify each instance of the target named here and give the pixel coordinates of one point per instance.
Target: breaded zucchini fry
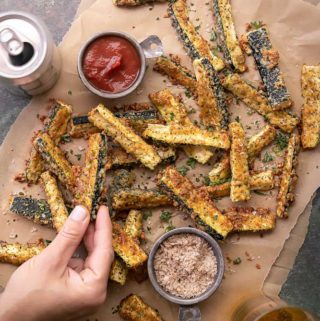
(310, 113)
(127, 248)
(134, 3)
(221, 170)
(194, 44)
(228, 38)
(138, 120)
(211, 95)
(55, 126)
(36, 210)
(251, 219)
(262, 181)
(253, 99)
(133, 225)
(102, 118)
(55, 200)
(55, 160)
(16, 253)
(92, 180)
(173, 111)
(57, 121)
(178, 74)
(240, 188)
(136, 198)
(259, 141)
(289, 177)
(118, 271)
(118, 158)
(133, 308)
(177, 134)
(267, 61)
(35, 166)
(195, 201)
(81, 127)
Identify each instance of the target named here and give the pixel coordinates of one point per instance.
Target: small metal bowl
(194, 311)
(151, 47)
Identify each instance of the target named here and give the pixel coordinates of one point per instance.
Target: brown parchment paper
(295, 32)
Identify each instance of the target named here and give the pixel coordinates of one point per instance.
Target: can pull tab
(189, 313)
(152, 47)
(19, 52)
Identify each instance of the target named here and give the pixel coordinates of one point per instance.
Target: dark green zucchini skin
(202, 225)
(277, 92)
(191, 50)
(138, 114)
(100, 176)
(218, 91)
(80, 120)
(220, 32)
(36, 210)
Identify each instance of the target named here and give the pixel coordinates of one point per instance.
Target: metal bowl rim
(102, 93)
(220, 266)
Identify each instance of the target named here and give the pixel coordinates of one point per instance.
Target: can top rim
(8, 71)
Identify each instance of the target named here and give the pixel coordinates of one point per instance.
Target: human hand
(54, 286)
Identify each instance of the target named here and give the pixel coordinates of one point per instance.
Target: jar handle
(152, 47)
(189, 313)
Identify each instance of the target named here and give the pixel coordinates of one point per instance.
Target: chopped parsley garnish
(169, 227)
(267, 158)
(191, 111)
(213, 36)
(282, 141)
(65, 138)
(188, 93)
(165, 216)
(146, 215)
(237, 260)
(197, 27)
(78, 156)
(237, 119)
(191, 162)
(183, 170)
(256, 24)
(171, 116)
(69, 92)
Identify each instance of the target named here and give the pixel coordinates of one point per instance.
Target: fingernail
(78, 214)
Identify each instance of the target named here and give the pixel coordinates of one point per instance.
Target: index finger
(100, 258)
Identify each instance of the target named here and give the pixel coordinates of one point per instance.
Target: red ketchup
(111, 64)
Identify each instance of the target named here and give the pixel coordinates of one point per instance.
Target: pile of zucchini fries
(152, 134)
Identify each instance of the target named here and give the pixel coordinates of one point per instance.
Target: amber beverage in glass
(262, 308)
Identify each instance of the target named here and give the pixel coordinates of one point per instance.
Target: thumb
(68, 239)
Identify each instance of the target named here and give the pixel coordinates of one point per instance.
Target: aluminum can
(29, 60)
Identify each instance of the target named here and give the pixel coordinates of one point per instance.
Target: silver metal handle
(152, 47)
(189, 313)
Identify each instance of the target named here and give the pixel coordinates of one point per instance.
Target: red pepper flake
(42, 118)
(258, 266)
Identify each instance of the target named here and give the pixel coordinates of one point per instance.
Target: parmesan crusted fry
(195, 201)
(310, 113)
(176, 134)
(102, 118)
(251, 219)
(127, 248)
(92, 180)
(133, 308)
(194, 44)
(289, 177)
(178, 74)
(55, 200)
(240, 188)
(16, 253)
(253, 99)
(173, 111)
(227, 33)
